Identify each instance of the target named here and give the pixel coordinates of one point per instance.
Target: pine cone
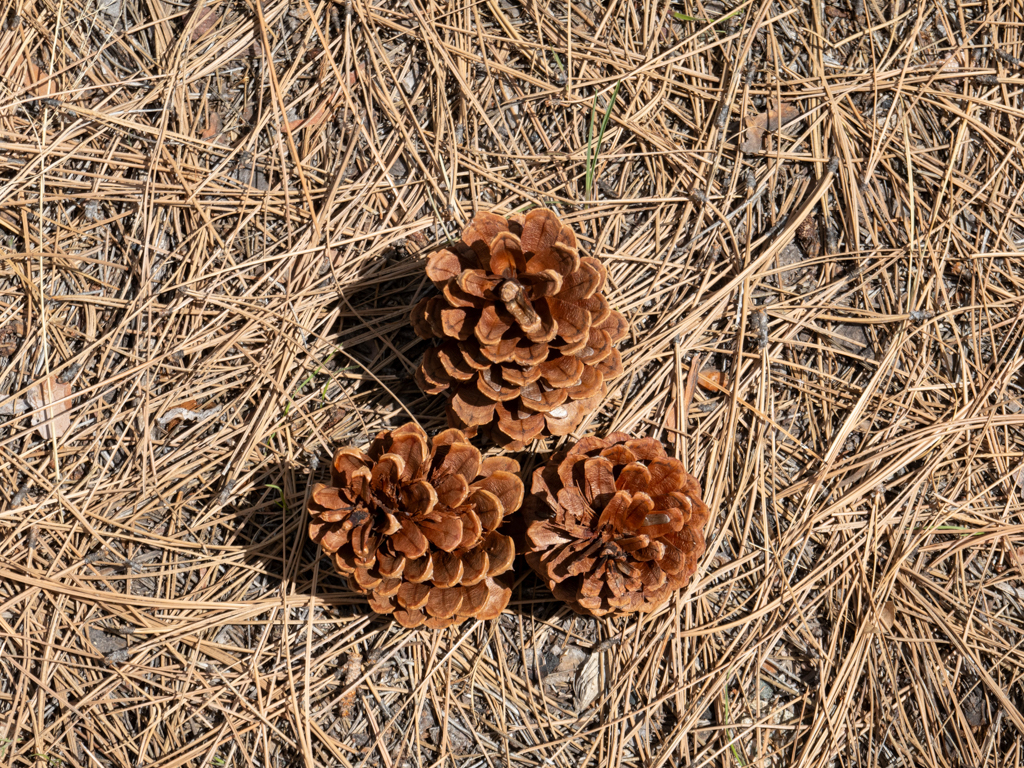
(527, 335)
(614, 525)
(415, 528)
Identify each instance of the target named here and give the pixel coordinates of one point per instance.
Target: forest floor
(214, 219)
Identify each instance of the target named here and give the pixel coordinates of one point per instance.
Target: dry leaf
(350, 673)
(587, 683)
(49, 394)
(11, 336)
(418, 239)
(214, 125)
(38, 82)
(757, 126)
(571, 658)
(188, 405)
(568, 664)
(886, 616)
(671, 424)
(12, 407)
(808, 236)
(960, 268)
(713, 380)
(205, 20)
(315, 119)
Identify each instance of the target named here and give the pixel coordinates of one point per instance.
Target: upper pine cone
(614, 525)
(528, 336)
(416, 527)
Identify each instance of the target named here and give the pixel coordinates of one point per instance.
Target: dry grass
(217, 253)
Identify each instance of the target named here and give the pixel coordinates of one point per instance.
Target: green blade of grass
(281, 501)
(592, 150)
(558, 61)
(728, 731)
(590, 146)
(726, 17)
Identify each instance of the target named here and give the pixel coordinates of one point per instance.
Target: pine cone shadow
(378, 343)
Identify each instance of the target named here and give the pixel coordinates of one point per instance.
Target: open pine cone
(415, 527)
(528, 338)
(614, 525)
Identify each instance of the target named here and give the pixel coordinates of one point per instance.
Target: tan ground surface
(213, 220)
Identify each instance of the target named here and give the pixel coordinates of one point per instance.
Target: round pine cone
(614, 525)
(416, 527)
(528, 338)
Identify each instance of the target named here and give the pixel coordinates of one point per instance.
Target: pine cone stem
(515, 302)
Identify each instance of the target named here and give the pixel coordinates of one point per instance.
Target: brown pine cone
(614, 525)
(528, 338)
(416, 527)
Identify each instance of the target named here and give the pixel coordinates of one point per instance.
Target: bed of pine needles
(214, 218)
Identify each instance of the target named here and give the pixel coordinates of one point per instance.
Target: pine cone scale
(419, 497)
(633, 477)
(475, 565)
(473, 599)
(491, 385)
(518, 377)
(452, 490)
(546, 283)
(540, 231)
(597, 347)
(447, 570)
(611, 366)
(390, 565)
(573, 321)
(506, 487)
(330, 536)
(506, 255)
(498, 594)
(445, 534)
(501, 552)
(472, 531)
(520, 425)
(412, 596)
(492, 325)
(472, 406)
(366, 580)
(484, 228)
(445, 265)
(410, 541)
(458, 322)
(419, 569)
(457, 297)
